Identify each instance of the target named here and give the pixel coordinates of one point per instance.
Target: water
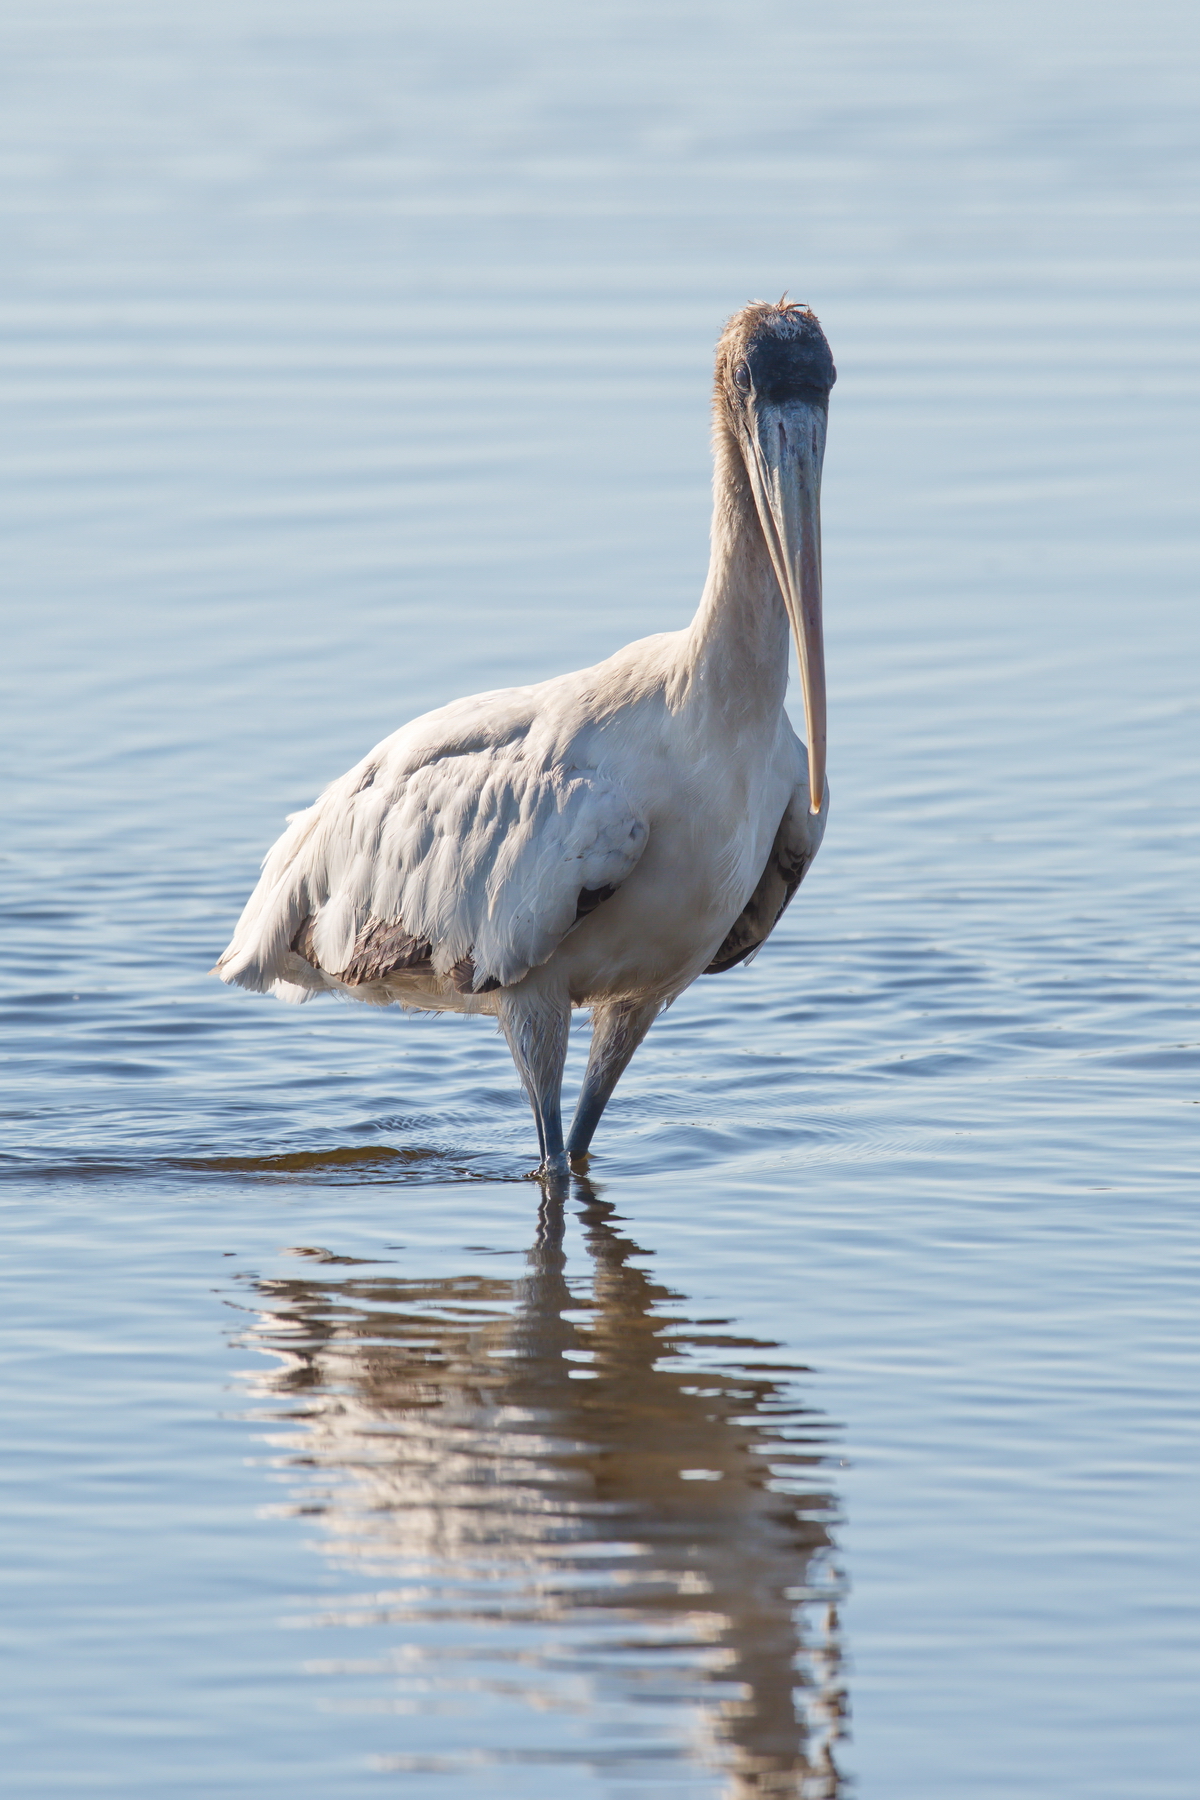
(843, 1436)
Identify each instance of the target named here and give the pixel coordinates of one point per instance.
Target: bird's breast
(705, 853)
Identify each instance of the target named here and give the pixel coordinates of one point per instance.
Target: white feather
(481, 850)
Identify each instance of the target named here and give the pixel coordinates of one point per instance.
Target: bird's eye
(741, 379)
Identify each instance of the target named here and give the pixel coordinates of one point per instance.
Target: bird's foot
(554, 1173)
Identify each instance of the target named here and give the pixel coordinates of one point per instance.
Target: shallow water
(842, 1435)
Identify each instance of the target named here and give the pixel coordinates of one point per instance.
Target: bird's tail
(260, 954)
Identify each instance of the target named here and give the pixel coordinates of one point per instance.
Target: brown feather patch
(383, 947)
(302, 943)
(463, 977)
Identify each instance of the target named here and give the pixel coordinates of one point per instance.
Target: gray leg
(536, 1030)
(617, 1030)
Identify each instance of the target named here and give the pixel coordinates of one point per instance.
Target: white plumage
(602, 838)
(473, 826)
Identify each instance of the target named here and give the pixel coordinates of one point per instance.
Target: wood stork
(601, 839)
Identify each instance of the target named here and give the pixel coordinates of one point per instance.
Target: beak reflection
(596, 1527)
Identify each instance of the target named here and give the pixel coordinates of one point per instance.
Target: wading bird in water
(601, 839)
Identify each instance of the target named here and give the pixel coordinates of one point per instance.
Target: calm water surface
(841, 1436)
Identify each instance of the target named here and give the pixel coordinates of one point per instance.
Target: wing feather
(468, 863)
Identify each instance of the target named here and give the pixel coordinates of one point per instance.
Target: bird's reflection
(566, 1493)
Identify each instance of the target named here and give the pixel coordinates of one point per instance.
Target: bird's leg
(617, 1030)
(536, 1030)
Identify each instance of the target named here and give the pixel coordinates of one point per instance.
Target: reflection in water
(576, 1526)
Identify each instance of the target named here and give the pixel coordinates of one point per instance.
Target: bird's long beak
(787, 450)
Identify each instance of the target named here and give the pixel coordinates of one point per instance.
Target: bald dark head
(774, 354)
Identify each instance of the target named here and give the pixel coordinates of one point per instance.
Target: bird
(601, 839)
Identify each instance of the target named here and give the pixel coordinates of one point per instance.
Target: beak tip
(817, 800)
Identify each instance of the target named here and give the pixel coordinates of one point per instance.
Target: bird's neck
(736, 651)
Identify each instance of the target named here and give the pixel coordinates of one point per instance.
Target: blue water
(842, 1437)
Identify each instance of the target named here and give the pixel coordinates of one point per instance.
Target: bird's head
(774, 373)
